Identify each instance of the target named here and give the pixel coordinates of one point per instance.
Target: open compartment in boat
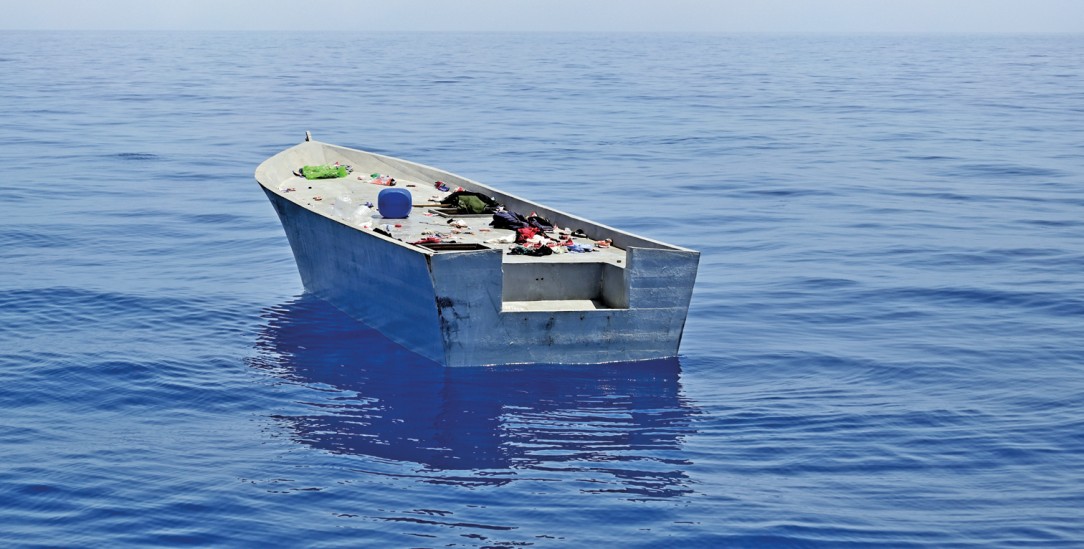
(564, 286)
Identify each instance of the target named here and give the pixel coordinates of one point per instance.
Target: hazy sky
(553, 15)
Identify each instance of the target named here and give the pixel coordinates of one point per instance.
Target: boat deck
(344, 199)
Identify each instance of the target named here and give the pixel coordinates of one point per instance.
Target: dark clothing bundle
(536, 252)
(512, 220)
(468, 202)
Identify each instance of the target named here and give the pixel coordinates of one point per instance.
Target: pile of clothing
(537, 236)
(534, 234)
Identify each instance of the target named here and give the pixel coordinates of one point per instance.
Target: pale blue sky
(553, 15)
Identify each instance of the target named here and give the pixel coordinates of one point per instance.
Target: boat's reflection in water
(617, 427)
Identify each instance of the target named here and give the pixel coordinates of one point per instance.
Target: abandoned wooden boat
(458, 291)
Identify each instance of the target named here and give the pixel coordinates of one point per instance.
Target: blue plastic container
(394, 203)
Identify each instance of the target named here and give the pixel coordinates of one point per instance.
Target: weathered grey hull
(481, 307)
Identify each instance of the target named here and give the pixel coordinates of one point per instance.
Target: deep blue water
(885, 345)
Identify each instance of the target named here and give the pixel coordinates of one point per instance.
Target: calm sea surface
(885, 346)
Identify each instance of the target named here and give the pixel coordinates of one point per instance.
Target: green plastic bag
(324, 171)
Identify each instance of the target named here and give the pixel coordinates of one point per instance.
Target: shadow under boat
(623, 423)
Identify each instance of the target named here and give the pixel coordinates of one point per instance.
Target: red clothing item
(525, 234)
